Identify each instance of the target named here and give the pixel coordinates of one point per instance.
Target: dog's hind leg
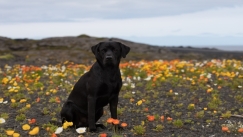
(66, 113)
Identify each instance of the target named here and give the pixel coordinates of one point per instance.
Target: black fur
(96, 88)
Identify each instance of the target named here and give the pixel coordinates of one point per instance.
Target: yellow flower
(65, 125)
(53, 91)
(139, 102)
(15, 83)
(9, 132)
(22, 100)
(34, 131)
(70, 123)
(142, 123)
(11, 90)
(209, 90)
(5, 80)
(28, 105)
(192, 105)
(16, 134)
(26, 127)
(1, 100)
(13, 100)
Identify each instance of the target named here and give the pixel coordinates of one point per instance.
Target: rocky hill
(77, 49)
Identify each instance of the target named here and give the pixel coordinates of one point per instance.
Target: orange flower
(38, 100)
(154, 79)
(240, 130)
(146, 109)
(123, 125)
(150, 118)
(169, 119)
(48, 129)
(103, 135)
(58, 100)
(225, 129)
(110, 120)
(131, 100)
(32, 121)
(53, 135)
(162, 118)
(116, 121)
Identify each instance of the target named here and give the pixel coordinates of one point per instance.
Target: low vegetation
(173, 98)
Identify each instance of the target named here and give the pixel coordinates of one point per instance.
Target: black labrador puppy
(96, 88)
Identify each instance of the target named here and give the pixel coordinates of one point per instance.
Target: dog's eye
(114, 50)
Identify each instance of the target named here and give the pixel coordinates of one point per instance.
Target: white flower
(121, 72)
(2, 121)
(182, 70)
(239, 86)
(125, 84)
(134, 78)
(138, 78)
(147, 79)
(44, 67)
(59, 130)
(81, 130)
(133, 92)
(237, 73)
(176, 93)
(9, 77)
(5, 102)
(132, 85)
(129, 80)
(63, 68)
(209, 75)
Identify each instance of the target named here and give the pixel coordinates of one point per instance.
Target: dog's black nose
(108, 57)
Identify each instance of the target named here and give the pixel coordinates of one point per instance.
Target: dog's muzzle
(109, 60)
(109, 57)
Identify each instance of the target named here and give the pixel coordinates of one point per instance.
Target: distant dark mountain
(77, 49)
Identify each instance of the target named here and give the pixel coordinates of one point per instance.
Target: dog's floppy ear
(124, 50)
(95, 49)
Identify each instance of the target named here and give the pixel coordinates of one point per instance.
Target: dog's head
(110, 53)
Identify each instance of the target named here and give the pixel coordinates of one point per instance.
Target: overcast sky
(159, 22)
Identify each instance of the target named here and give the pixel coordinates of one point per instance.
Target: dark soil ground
(159, 98)
(183, 96)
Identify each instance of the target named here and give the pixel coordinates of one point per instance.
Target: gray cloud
(62, 10)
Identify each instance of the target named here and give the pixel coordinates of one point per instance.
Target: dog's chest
(107, 88)
(106, 92)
